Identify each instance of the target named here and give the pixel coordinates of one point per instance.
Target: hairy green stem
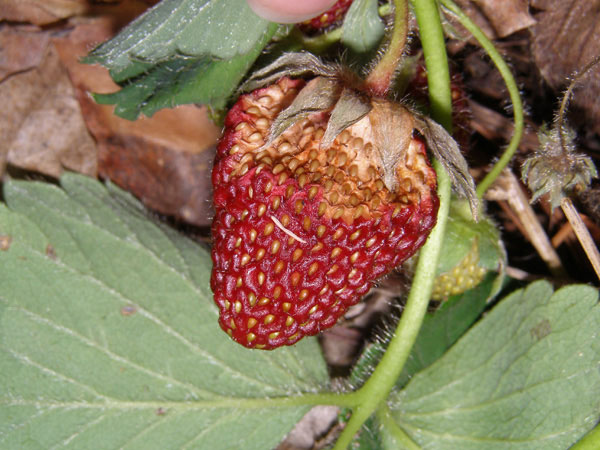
(565, 100)
(377, 388)
(381, 77)
(513, 91)
(436, 61)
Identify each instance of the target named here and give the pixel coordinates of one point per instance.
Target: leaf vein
(115, 357)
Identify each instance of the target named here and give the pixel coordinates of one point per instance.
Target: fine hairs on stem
(575, 78)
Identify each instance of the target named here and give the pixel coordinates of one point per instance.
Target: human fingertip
(286, 11)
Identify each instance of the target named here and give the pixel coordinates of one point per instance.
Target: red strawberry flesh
(332, 16)
(300, 233)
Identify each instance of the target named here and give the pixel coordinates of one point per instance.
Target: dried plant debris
(41, 12)
(567, 37)
(41, 124)
(498, 18)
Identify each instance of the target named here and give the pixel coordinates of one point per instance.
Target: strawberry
(320, 188)
(307, 219)
(461, 114)
(333, 16)
(464, 276)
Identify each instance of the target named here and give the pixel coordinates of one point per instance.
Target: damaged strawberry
(320, 188)
(330, 18)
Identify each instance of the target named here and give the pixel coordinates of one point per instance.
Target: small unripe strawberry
(470, 251)
(464, 276)
(418, 91)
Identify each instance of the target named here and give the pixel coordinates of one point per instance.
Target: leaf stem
(377, 388)
(327, 398)
(513, 91)
(381, 77)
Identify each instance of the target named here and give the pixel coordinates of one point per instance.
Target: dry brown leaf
(311, 428)
(507, 16)
(41, 12)
(498, 18)
(21, 49)
(541, 4)
(40, 122)
(164, 160)
(565, 39)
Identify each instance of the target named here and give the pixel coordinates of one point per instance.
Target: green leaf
(220, 29)
(369, 437)
(109, 335)
(362, 29)
(184, 80)
(525, 377)
(440, 330)
(443, 328)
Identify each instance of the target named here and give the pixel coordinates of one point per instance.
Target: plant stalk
(582, 233)
(377, 388)
(565, 100)
(513, 91)
(381, 77)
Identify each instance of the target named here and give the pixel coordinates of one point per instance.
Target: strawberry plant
(114, 326)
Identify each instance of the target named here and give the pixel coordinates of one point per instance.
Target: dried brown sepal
(349, 109)
(392, 126)
(319, 94)
(292, 64)
(446, 151)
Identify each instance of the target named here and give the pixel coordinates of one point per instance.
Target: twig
(507, 188)
(583, 234)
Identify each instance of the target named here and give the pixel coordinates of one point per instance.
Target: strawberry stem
(565, 101)
(513, 91)
(380, 79)
(371, 397)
